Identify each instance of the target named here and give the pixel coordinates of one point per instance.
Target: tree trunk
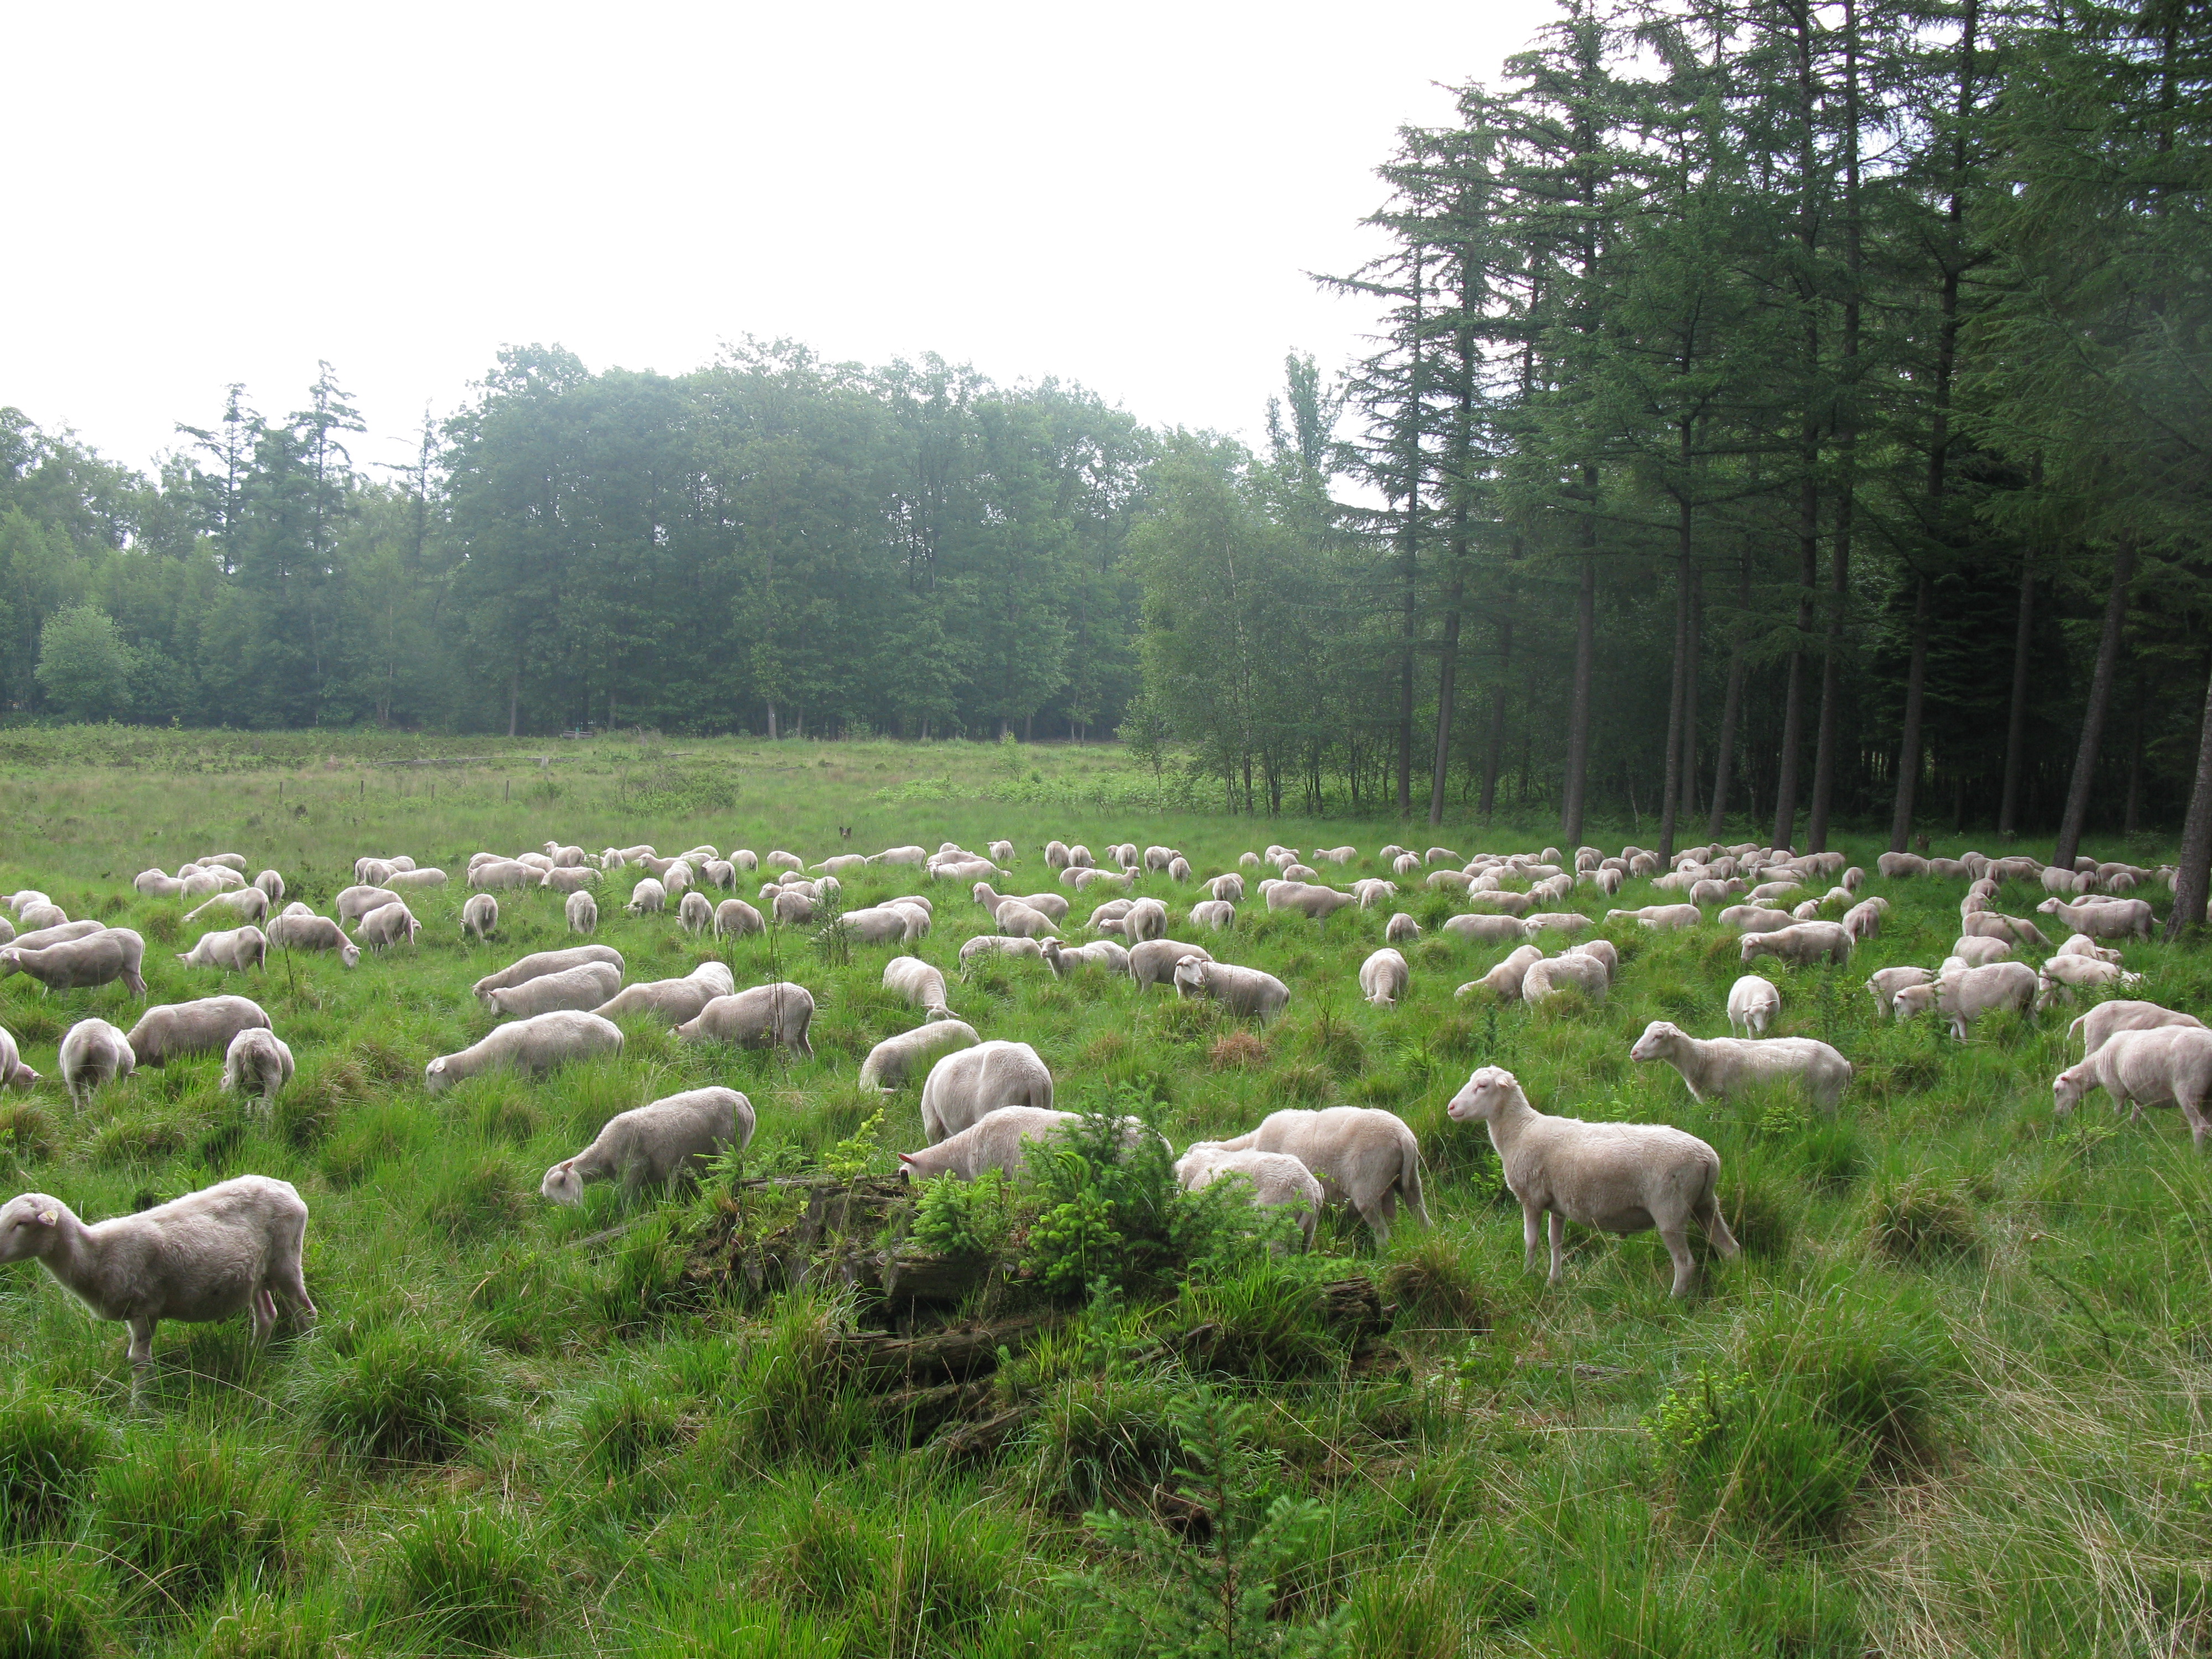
(514, 700)
(1495, 758)
(1793, 702)
(1575, 787)
(1908, 747)
(2194, 874)
(1690, 693)
(1460, 461)
(1731, 705)
(771, 723)
(1671, 800)
(2101, 701)
(2016, 721)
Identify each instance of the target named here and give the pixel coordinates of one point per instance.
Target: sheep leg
(1559, 1224)
(1676, 1238)
(1531, 1222)
(2199, 1125)
(141, 1350)
(264, 1313)
(1378, 1216)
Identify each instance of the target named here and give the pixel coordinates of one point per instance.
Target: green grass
(1948, 1402)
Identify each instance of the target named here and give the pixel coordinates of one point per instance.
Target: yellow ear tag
(48, 1218)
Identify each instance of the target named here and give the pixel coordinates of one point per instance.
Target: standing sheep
(1155, 958)
(892, 1061)
(480, 915)
(1963, 995)
(1383, 978)
(735, 919)
(305, 931)
(1362, 1156)
(236, 951)
(1753, 1002)
(2105, 1021)
(964, 1085)
(205, 1026)
(583, 913)
(1718, 1068)
(1146, 919)
(760, 1017)
(1215, 915)
(94, 1052)
(580, 988)
(999, 1140)
(670, 1001)
(14, 1074)
(1100, 953)
(647, 897)
(546, 961)
(1243, 991)
(257, 1065)
(655, 1145)
(2166, 1066)
(1885, 984)
(2102, 918)
(696, 912)
(920, 985)
(1277, 1180)
(249, 902)
(1400, 929)
(1805, 941)
(96, 958)
(387, 925)
(1617, 1177)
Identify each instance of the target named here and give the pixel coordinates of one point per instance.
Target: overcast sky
(1128, 195)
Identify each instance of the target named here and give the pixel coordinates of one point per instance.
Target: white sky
(1127, 196)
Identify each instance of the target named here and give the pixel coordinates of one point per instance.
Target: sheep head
(1661, 1038)
(1489, 1090)
(2068, 1088)
(563, 1184)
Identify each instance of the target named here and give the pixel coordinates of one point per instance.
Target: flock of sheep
(984, 1105)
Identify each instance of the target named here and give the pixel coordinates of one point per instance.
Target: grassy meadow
(1951, 1400)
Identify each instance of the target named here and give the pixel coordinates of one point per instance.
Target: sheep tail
(1409, 1182)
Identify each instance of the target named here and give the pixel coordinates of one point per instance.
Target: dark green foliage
(51, 1448)
(473, 1572)
(55, 1604)
(1921, 1217)
(408, 1392)
(186, 1514)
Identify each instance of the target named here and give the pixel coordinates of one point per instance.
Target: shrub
(408, 1392)
(625, 1424)
(186, 1514)
(964, 1217)
(1100, 1442)
(475, 1574)
(1921, 1217)
(51, 1448)
(1432, 1286)
(54, 1605)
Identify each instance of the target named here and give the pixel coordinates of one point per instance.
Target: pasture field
(1951, 1400)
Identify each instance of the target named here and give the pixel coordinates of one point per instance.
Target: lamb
(1753, 1002)
(670, 1001)
(1803, 941)
(2099, 1025)
(1718, 1068)
(735, 919)
(407, 881)
(1617, 1177)
(890, 1061)
(236, 951)
(1661, 918)
(1315, 903)
(655, 1145)
(387, 925)
(1362, 1156)
(841, 864)
(920, 985)
(1215, 915)
(1550, 976)
(584, 986)
(231, 1248)
(481, 915)
(1104, 953)
(1277, 1180)
(1111, 917)
(1977, 952)
(965, 1085)
(998, 1140)
(1477, 928)
(24, 898)
(2080, 944)
(1230, 887)
(534, 1047)
(257, 1064)
(1447, 881)
(205, 1026)
(1505, 981)
(14, 1074)
(648, 896)
(1243, 991)
(1146, 919)
(96, 958)
(296, 932)
(2166, 1065)
(2107, 919)
(546, 961)
(1017, 920)
(2063, 976)
(93, 1052)
(1383, 978)
(1400, 929)
(1155, 958)
(1990, 924)
(565, 857)
(1963, 995)
(355, 902)
(1886, 982)
(760, 1017)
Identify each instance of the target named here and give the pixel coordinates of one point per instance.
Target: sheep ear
(50, 1218)
(906, 1158)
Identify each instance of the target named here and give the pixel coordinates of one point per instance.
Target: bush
(1265, 1323)
(54, 1605)
(474, 1574)
(625, 1424)
(406, 1393)
(51, 1448)
(1101, 1443)
(1921, 1217)
(964, 1217)
(187, 1514)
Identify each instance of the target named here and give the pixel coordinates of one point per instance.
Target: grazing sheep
(655, 1145)
(1374, 890)
(1146, 919)
(1243, 991)
(1017, 920)
(2063, 976)
(1102, 953)
(670, 1001)
(1754, 918)
(2163, 1066)
(1963, 995)
(95, 958)
(649, 896)
(231, 1248)
(1753, 1002)
(1862, 921)
(1885, 982)
(534, 1047)
(1277, 1180)
(1383, 978)
(1055, 856)
(966, 1084)
(1155, 960)
(1549, 976)
(1400, 929)
(1215, 915)
(497, 874)
(735, 919)
(14, 1074)
(2080, 944)
(257, 1065)
(481, 915)
(156, 884)
(920, 985)
(355, 902)
(1405, 864)
(249, 902)
(93, 1052)
(582, 987)
(1602, 950)
(999, 1140)
(203, 1026)
(236, 951)
(1315, 903)
(387, 925)
(407, 881)
(1804, 941)
(1230, 887)
(1362, 1156)
(2099, 1025)
(1505, 981)
(1977, 952)
(1617, 1177)
(1661, 918)
(760, 1017)
(296, 932)
(1990, 924)
(1718, 1068)
(566, 879)
(1557, 922)
(1111, 917)
(696, 913)
(890, 1061)
(1480, 929)
(1898, 866)
(546, 961)
(2106, 919)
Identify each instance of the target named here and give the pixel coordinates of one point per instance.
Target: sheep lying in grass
(1963, 994)
(964, 1085)
(1362, 1156)
(670, 1001)
(1753, 1002)
(234, 951)
(303, 930)
(2102, 1023)
(1276, 1180)
(1617, 1177)
(1383, 978)
(534, 1047)
(998, 1140)
(1803, 941)
(541, 962)
(583, 988)
(97, 959)
(2061, 976)
(1155, 960)
(2164, 1066)
(203, 1026)
(480, 915)
(761, 1017)
(231, 1248)
(892, 1061)
(1243, 991)
(655, 1145)
(1718, 1068)
(94, 1052)
(257, 1064)
(1102, 953)
(1505, 981)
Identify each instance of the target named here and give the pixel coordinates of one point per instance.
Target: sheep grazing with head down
(2061, 976)
(249, 903)
(764, 1017)
(232, 1248)
(1718, 1068)
(2163, 1066)
(1383, 977)
(480, 915)
(386, 926)
(1753, 1002)
(1362, 1156)
(920, 985)
(1000, 1140)
(257, 1065)
(1617, 1177)
(1276, 1181)
(670, 1001)
(205, 1026)
(303, 930)
(541, 962)
(2105, 1021)
(582, 987)
(1963, 994)
(14, 1074)
(1215, 915)
(534, 1047)
(1803, 942)
(964, 1085)
(892, 1061)
(93, 1052)
(1505, 981)
(1885, 984)
(235, 950)
(96, 958)
(1243, 991)
(1154, 961)
(1400, 929)
(655, 1145)
(2102, 918)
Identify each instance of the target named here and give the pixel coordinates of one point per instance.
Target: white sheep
(696, 912)
(1963, 994)
(647, 897)
(99, 957)
(2062, 976)
(1100, 953)
(1977, 952)
(670, 1001)
(1753, 1002)
(249, 902)
(1362, 1156)
(1802, 942)
(2097, 1027)
(14, 1074)
(1715, 1069)
(920, 984)
(544, 961)
(964, 1085)
(1383, 978)
(1243, 991)
(1017, 920)
(387, 925)
(761, 1017)
(565, 880)
(580, 988)
(235, 950)
(409, 881)
(1862, 921)
(1230, 887)
(1661, 918)
(1215, 915)
(1885, 984)
(1000, 944)
(534, 1047)
(2080, 944)
(1146, 919)
(1000, 1140)
(1478, 928)
(202, 1026)
(231, 1248)
(1276, 1180)
(892, 1061)
(1505, 981)
(1400, 929)
(257, 1064)
(2166, 1065)
(1315, 903)
(1990, 924)
(1155, 960)
(94, 1052)
(1617, 1177)
(1550, 976)
(155, 884)
(480, 915)
(735, 919)
(655, 1145)
(2102, 918)
(295, 931)
(355, 902)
